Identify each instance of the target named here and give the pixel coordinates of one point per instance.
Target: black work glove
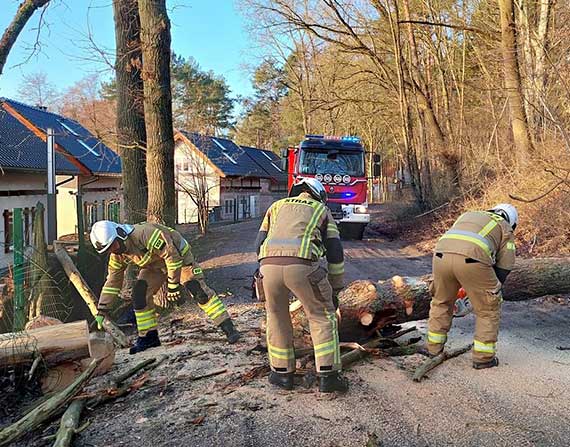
(173, 293)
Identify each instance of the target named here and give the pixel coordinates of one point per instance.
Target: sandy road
(524, 402)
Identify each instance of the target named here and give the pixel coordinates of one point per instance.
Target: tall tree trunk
(25, 11)
(131, 132)
(527, 69)
(540, 44)
(519, 123)
(155, 39)
(405, 114)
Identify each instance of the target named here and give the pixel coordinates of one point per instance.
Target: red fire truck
(338, 162)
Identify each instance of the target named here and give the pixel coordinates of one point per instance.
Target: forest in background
(470, 97)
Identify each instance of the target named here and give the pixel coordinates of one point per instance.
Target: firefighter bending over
(477, 253)
(294, 234)
(162, 255)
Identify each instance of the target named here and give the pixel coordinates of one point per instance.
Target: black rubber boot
(229, 329)
(331, 382)
(484, 365)
(150, 340)
(282, 380)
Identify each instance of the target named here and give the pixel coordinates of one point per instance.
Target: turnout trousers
(192, 278)
(450, 272)
(308, 282)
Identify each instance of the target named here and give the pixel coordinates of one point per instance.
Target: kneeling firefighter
(162, 255)
(294, 234)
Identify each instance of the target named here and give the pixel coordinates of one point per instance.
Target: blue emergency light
(348, 195)
(350, 139)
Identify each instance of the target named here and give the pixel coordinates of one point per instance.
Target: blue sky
(211, 31)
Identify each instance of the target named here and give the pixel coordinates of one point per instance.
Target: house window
(229, 205)
(27, 222)
(7, 214)
(185, 166)
(112, 209)
(90, 214)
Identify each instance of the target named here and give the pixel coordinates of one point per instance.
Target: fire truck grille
(335, 195)
(336, 210)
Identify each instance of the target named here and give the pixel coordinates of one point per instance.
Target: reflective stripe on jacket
(303, 227)
(148, 246)
(482, 236)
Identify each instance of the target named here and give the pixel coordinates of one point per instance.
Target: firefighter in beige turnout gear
(295, 233)
(162, 255)
(477, 253)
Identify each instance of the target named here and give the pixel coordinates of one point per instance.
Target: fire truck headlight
(360, 209)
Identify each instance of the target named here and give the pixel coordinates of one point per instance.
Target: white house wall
(66, 200)
(187, 165)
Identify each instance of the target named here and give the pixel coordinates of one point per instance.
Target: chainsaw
(462, 305)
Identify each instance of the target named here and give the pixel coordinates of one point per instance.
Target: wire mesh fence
(35, 292)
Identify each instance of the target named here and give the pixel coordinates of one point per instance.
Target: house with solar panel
(237, 182)
(83, 164)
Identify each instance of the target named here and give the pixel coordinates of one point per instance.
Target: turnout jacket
(483, 236)
(149, 246)
(302, 227)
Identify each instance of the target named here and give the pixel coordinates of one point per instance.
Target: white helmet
(104, 233)
(311, 185)
(507, 212)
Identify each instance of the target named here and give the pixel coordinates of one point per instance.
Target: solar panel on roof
(74, 138)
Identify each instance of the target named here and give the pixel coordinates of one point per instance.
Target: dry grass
(543, 224)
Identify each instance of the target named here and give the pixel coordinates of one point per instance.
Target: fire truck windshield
(314, 161)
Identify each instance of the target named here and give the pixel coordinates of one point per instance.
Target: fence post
(80, 221)
(18, 240)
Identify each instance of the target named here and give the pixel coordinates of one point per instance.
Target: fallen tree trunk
(88, 296)
(367, 306)
(56, 344)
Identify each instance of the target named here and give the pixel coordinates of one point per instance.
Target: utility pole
(51, 189)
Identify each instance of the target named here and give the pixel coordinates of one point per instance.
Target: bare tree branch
(24, 13)
(448, 25)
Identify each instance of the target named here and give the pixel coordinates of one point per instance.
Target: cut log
(402, 299)
(46, 410)
(56, 344)
(60, 376)
(87, 294)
